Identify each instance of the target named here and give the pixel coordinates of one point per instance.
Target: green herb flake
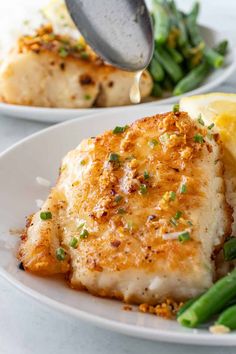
(178, 215)
(143, 189)
(80, 225)
(198, 138)
(183, 188)
(210, 136)
(82, 162)
(185, 236)
(79, 46)
(210, 126)
(152, 143)
(146, 175)
(172, 196)
(200, 120)
(84, 55)
(164, 138)
(63, 52)
(60, 254)
(45, 215)
(119, 130)
(121, 211)
(74, 242)
(87, 97)
(118, 198)
(113, 157)
(189, 223)
(175, 108)
(84, 234)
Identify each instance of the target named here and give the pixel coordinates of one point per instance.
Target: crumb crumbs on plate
(167, 309)
(127, 308)
(219, 329)
(15, 232)
(43, 181)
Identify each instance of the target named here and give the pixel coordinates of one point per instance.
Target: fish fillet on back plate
(139, 212)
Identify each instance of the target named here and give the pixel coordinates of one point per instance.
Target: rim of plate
(67, 113)
(191, 336)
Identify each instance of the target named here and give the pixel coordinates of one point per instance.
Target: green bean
(192, 79)
(175, 54)
(211, 302)
(162, 22)
(170, 66)
(156, 90)
(229, 249)
(213, 58)
(156, 70)
(228, 318)
(183, 36)
(191, 23)
(186, 305)
(167, 84)
(222, 47)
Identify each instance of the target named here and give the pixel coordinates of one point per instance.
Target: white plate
(40, 155)
(53, 115)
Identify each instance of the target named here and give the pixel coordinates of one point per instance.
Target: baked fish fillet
(137, 213)
(49, 70)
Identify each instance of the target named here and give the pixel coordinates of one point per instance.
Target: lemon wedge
(218, 108)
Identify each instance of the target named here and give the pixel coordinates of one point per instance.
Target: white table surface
(27, 327)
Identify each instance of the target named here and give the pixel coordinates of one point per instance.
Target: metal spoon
(119, 31)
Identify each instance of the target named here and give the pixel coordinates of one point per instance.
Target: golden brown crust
(125, 189)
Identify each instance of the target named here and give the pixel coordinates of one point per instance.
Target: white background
(27, 327)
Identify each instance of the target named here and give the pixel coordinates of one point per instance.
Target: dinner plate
(40, 156)
(55, 115)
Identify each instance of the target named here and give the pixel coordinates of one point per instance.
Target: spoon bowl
(119, 31)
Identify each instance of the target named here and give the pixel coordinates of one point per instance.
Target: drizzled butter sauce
(135, 95)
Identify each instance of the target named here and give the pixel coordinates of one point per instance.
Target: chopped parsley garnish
(87, 97)
(60, 254)
(198, 138)
(82, 162)
(84, 55)
(176, 108)
(210, 136)
(113, 157)
(172, 196)
(190, 223)
(80, 225)
(80, 46)
(183, 188)
(210, 126)
(185, 236)
(45, 215)
(63, 52)
(121, 211)
(164, 138)
(119, 130)
(74, 242)
(146, 175)
(178, 215)
(200, 120)
(143, 189)
(84, 234)
(152, 143)
(118, 198)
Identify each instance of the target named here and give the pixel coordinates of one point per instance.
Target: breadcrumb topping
(167, 309)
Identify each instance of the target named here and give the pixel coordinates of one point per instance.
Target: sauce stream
(135, 95)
